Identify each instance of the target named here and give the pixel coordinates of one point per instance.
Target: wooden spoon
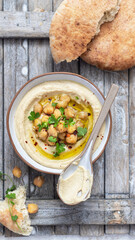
(85, 158)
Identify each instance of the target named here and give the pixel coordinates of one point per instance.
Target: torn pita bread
(20, 210)
(75, 23)
(114, 47)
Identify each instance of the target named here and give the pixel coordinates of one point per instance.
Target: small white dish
(54, 76)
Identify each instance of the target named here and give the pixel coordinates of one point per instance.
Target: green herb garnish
(11, 196)
(81, 132)
(11, 189)
(54, 120)
(60, 147)
(52, 139)
(69, 122)
(54, 104)
(33, 116)
(77, 97)
(42, 125)
(62, 110)
(14, 218)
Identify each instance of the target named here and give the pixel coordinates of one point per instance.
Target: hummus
(37, 149)
(77, 187)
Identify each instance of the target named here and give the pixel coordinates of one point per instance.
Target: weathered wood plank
(40, 61)
(93, 211)
(15, 75)
(132, 136)
(97, 77)
(117, 155)
(25, 24)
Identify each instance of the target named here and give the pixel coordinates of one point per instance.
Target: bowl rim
(17, 93)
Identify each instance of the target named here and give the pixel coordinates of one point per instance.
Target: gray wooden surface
(114, 173)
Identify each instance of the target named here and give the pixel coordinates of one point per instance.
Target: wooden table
(25, 53)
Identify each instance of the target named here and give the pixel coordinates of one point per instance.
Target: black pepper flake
(35, 144)
(73, 104)
(89, 114)
(26, 141)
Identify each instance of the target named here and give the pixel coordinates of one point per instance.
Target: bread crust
(114, 47)
(74, 25)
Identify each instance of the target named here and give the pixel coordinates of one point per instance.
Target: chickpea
(71, 138)
(42, 134)
(57, 113)
(62, 136)
(50, 143)
(52, 131)
(17, 172)
(48, 109)
(83, 115)
(62, 104)
(39, 181)
(45, 118)
(60, 127)
(32, 208)
(71, 129)
(36, 123)
(79, 124)
(69, 112)
(65, 97)
(38, 108)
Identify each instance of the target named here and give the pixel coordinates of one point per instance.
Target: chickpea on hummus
(54, 121)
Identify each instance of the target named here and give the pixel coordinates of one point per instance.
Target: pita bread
(114, 47)
(20, 210)
(74, 25)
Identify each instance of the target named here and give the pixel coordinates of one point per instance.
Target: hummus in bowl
(51, 118)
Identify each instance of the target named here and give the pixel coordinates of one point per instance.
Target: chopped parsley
(77, 97)
(42, 125)
(52, 139)
(14, 218)
(54, 120)
(69, 122)
(81, 132)
(11, 189)
(54, 104)
(62, 110)
(60, 147)
(33, 116)
(11, 196)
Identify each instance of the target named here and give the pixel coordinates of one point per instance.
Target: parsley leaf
(11, 196)
(12, 203)
(81, 131)
(52, 139)
(14, 218)
(60, 147)
(69, 122)
(77, 97)
(33, 115)
(11, 189)
(53, 120)
(62, 110)
(42, 125)
(54, 104)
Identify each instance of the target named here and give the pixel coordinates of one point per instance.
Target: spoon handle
(104, 111)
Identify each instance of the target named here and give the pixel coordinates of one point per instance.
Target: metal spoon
(85, 158)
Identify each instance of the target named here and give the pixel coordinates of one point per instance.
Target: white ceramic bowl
(32, 83)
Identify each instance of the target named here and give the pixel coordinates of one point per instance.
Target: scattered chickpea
(61, 127)
(62, 136)
(48, 109)
(36, 123)
(32, 208)
(71, 129)
(69, 112)
(79, 124)
(17, 172)
(62, 104)
(71, 138)
(42, 134)
(45, 118)
(39, 181)
(65, 97)
(38, 108)
(52, 131)
(83, 115)
(57, 113)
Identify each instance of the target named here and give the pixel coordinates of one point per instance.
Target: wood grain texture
(25, 24)
(40, 61)
(117, 155)
(97, 77)
(93, 211)
(132, 136)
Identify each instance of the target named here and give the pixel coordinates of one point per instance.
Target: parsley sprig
(81, 132)
(52, 139)
(69, 122)
(33, 116)
(43, 125)
(60, 147)
(54, 104)
(54, 120)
